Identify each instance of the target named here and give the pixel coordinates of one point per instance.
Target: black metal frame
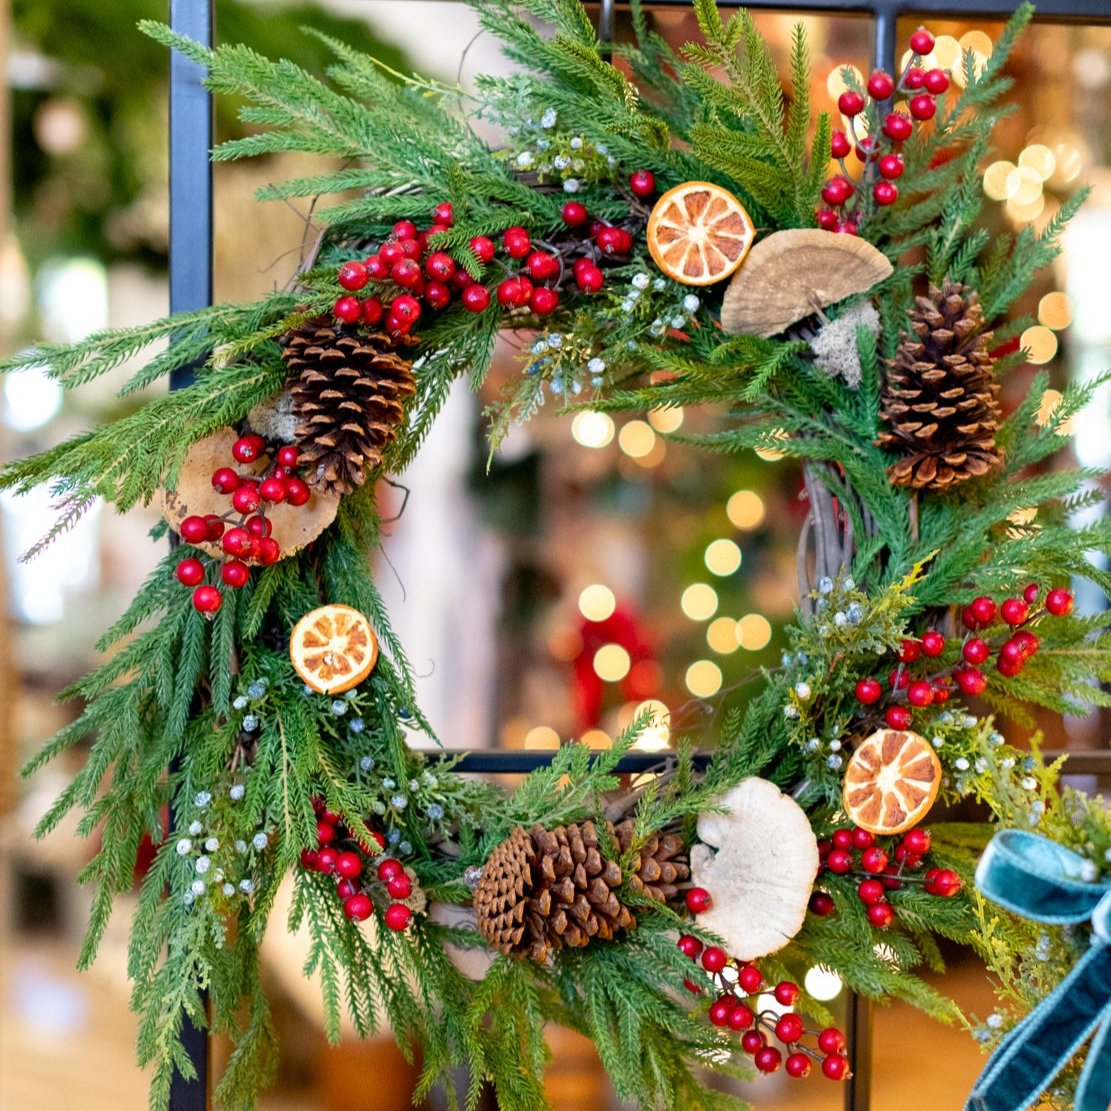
(191, 288)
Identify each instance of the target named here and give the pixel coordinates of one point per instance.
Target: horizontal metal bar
(1093, 11)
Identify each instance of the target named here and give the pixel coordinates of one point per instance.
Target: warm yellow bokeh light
(754, 631)
(657, 733)
(722, 557)
(1038, 158)
(1050, 400)
(636, 439)
(1069, 164)
(979, 42)
(542, 736)
(721, 635)
(667, 419)
(1023, 185)
(946, 53)
(611, 663)
(699, 602)
(655, 457)
(1022, 212)
(596, 738)
(1040, 343)
(769, 453)
(1055, 310)
(597, 602)
(703, 678)
(996, 177)
(592, 429)
(836, 83)
(746, 510)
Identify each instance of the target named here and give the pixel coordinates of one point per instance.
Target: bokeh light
(592, 429)
(667, 419)
(721, 635)
(542, 736)
(596, 738)
(1040, 343)
(722, 557)
(703, 678)
(636, 439)
(822, 983)
(699, 602)
(611, 663)
(754, 631)
(597, 602)
(746, 510)
(657, 734)
(1055, 310)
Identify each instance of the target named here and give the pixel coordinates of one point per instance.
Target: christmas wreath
(662, 231)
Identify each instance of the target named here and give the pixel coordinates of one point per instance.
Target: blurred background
(594, 569)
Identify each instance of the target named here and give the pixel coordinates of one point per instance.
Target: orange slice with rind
(699, 233)
(333, 648)
(891, 781)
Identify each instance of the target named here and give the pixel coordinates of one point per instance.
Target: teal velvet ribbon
(1041, 880)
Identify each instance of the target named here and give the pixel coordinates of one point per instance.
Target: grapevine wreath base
(659, 231)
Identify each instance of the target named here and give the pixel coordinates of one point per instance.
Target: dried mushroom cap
(791, 274)
(762, 873)
(293, 526)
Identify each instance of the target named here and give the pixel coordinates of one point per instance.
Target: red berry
(215, 525)
(248, 448)
(933, 643)
(589, 279)
(840, 861)
(1011, 653)
(349, 865)
(921, 42)
(1027, 643)
(873, 860)
(839, 145)
(897, 126)
(207, 599)
(475, 298)
(443, 214)
(508, 292)
(822, 904)
(235, 574)
(752, 1041)
(273, 489)
(826, 218)
(358, 907)
(697, 899)
(842, 839)
(642, 183)
(983, 609)
(750, 979)
(308, 859)
(922, 106)
(692, 987)
(1009, 668)
(398, 916)
(909, 651)
(689, 946)
(891, 877)
(614, 241)
(898, 679)
(516, 242)
(297, 492)
(325, 832)
(1059, 602)
(543, 300)
(377, 268)
(971, 680)
(767, 1059)
(786, 993)
(288, 454)
(437, 295)
(740, 1017)
(920, 693)
(881, 915)
(898, 717)
(714, 959)
(439, 266)
(406, 309)
(246, 499)
(347, 309)
(831, 1040)
(915, 79)
(346, 888)
(1030, 594)
(236, 541)
(917, 841)
(870, 891)
(863, 838)
(837, 191)
(975, 651)
(404, 229)
(880, 85)
(936, 81)
(574, 214)
(868, 691)
(942, 882)
(850, 103)
(797, 1065)
(224, 480)
(390, 253)
(891, 166)
(482, 248)
(353, 275)
(835, 1068)
(400, 886)
(189, 572)
(720, 1010)
(1014, 611)
(789, 1028)
(389, 868)
(885, 192)
(542, 266)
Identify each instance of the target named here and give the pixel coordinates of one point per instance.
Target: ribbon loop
(1041, 880)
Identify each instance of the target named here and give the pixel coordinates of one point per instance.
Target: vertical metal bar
(605, 22)
(190, 289)
(858, 1022)
(887, 18)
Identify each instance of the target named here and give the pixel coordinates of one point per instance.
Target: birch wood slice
(758, 862)
(293, 526)
(793, 273)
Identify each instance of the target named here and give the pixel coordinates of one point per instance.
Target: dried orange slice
(891, 781)
(699, 233)
(333, 648)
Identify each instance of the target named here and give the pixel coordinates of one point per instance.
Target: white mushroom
(762, 872)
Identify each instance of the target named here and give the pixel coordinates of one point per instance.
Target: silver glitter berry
(184, 847)
(471, 876)
(240, 703)
(212, 844)
(339, 707)
(366, 763)
(260, 841)
(195, 828)
(237, 791)
(246, 886)
(203, 864)
(203, 799)
(250, 723)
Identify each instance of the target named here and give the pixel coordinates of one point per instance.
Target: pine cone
(349, 392)
(549, 889)
(940, 399)
(661, 865)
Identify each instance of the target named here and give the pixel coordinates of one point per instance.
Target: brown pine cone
(661, 865)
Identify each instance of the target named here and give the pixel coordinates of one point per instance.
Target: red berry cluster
(339, 854)
(879, 150)
(852, 851)
(1012, 650)
(248, 540)
(737, 1008)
